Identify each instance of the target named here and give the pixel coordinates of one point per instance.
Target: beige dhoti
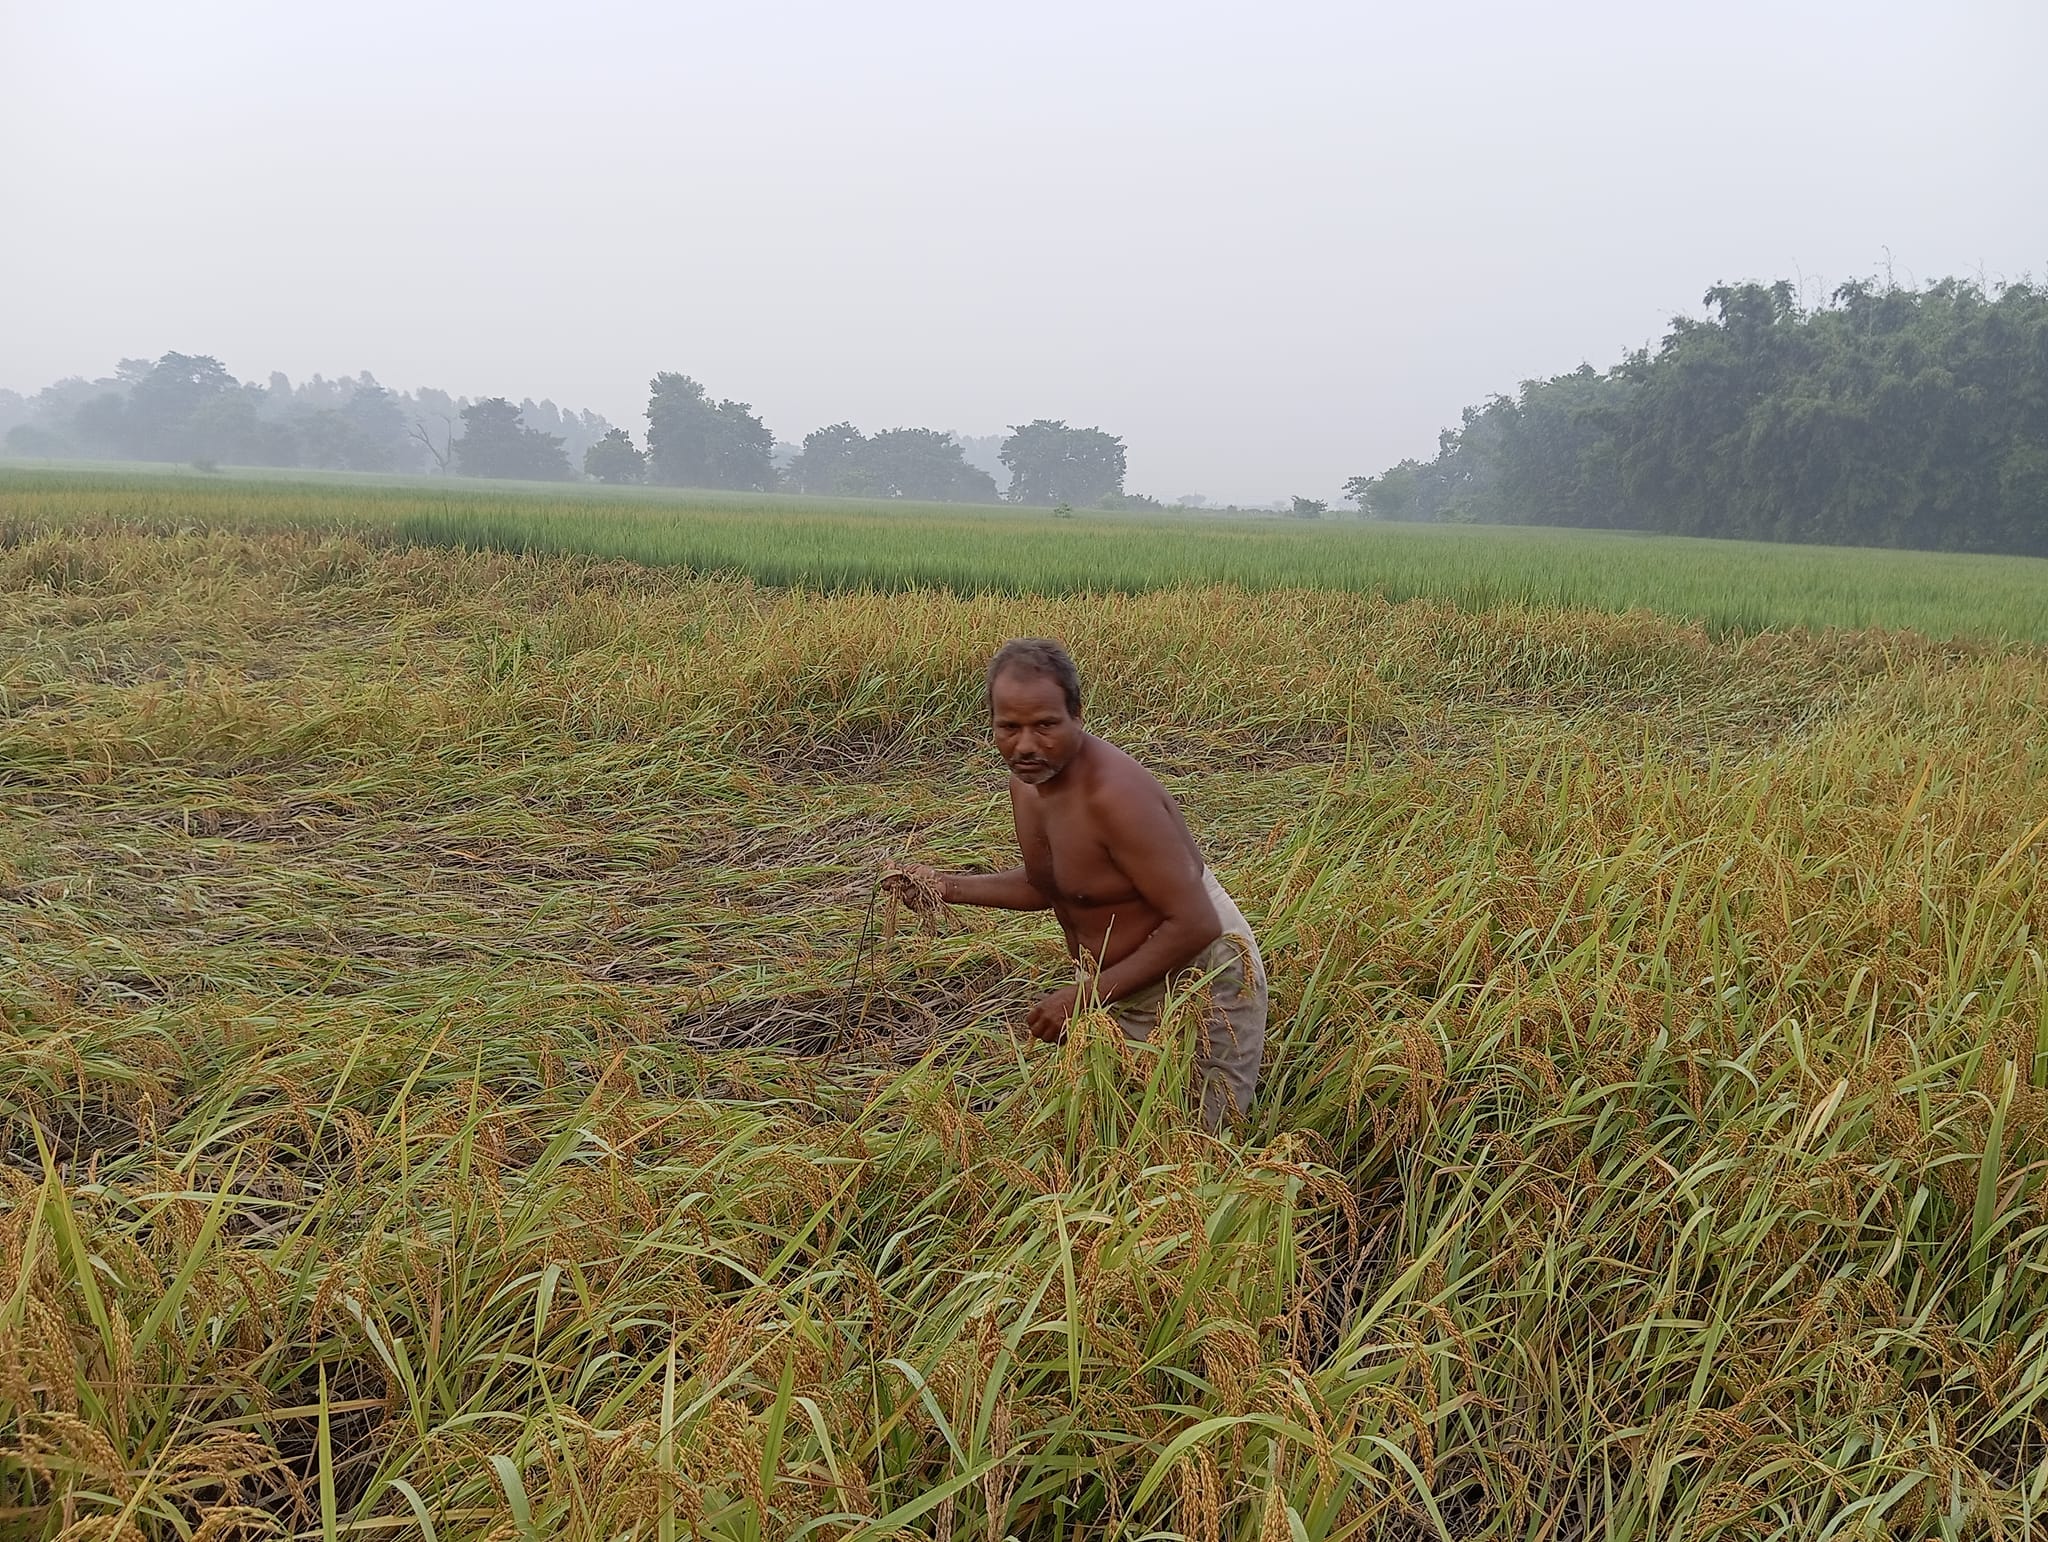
(1232, 1034)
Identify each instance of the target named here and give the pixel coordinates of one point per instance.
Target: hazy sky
(1270, 244)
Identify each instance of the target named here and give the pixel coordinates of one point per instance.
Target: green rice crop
(1731, 587)
(455, 1081)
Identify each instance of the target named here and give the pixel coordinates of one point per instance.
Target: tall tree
(225, 430)
(1052, 463)
(695, 442)
(156, 424)
(32, 439)
(495, 443)
(923, 463)
(328, 439)
(380, 427)
(615, 459)
(14, 410)
(927, 464)
(830, 461)
(102, 426)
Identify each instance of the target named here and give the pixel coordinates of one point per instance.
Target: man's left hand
(1048, 1019)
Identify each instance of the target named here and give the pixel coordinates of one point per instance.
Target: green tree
(224, 429)
(33, 439)
(328, 439)
(156, 423)
(102, 425)
(229, 429)
(830, 460)
(495, 443)
(380, 428)
(1882, 417)
(695, 442)
(615, 459)
(1307, 508)
(1052, 463)
(923, 463)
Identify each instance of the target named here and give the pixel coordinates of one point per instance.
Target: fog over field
(1271, 249)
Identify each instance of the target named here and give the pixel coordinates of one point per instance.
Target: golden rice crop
(453, 1082)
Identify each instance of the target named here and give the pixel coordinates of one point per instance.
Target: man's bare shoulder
(1120, 780)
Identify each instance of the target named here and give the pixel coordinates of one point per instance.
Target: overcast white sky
(1271, 245)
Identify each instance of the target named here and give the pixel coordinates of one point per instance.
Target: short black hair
(1039, 656)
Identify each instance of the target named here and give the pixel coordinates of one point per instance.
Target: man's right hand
(917, 886)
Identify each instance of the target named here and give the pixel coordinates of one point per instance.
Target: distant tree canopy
(188, 407)
(1051, 463)
(693, 441)
(829, 461)
(615, 459)
(496, 443)
(921, 463)
(1886, 417)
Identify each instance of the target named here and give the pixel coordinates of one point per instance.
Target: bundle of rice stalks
(918, 890)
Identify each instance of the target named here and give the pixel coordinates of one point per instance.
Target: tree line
(1885, 416)
(694, 440)
(187, 407)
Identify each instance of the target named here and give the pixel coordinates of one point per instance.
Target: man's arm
(1151, 847)
(1013, 890)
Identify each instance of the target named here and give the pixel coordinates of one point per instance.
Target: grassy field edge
(1730, 588)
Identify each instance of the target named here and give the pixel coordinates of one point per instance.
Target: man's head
(1034, 707)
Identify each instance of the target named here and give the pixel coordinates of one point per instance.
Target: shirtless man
(1105, 848)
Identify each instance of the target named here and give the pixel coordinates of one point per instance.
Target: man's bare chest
(1071, 861)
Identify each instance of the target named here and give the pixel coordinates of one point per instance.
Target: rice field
(1730, 586)
(457, 1079)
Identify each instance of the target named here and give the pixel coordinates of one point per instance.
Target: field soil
(458, 1077)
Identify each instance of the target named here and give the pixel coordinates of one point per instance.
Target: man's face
(1035, 733)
